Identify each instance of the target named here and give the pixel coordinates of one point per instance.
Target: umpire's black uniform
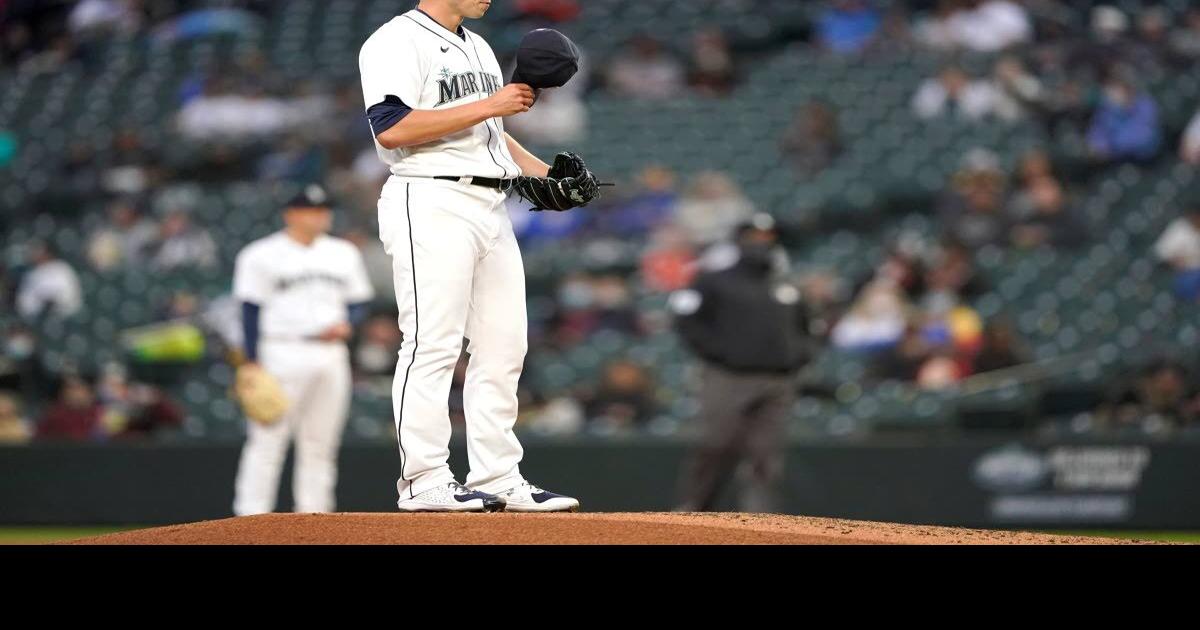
(750, 332)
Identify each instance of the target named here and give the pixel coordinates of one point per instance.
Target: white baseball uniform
(456, 263)
(301, 291)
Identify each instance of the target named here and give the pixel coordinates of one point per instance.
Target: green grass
(43, 535)
(1167, 536)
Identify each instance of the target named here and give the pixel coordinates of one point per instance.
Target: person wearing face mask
(21, 368)
(749, 329)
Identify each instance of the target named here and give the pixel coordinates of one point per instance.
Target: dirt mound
(578, 529)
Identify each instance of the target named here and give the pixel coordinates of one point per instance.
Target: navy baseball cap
(546, 59)
(310, 196)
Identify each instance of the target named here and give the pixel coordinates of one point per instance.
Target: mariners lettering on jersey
(285, 283)
(452, 87)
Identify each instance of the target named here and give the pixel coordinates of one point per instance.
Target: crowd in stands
(911, 317)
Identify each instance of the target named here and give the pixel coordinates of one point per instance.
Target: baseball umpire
(749, 329)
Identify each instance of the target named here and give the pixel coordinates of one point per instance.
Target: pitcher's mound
(570, 529)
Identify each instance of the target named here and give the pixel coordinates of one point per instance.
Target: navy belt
(503, 185)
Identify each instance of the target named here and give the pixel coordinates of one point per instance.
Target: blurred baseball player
(301, 292)
(436, 100)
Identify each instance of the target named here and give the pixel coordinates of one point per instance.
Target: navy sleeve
(250, 330)
(385, 115)
(358, 313)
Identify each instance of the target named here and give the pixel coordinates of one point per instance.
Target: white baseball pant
(458, 273)
(315, 376)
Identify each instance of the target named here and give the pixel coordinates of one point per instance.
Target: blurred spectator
(711, 71)
(933, 31)
(222, 113)
(540, 227)
(954, 94)
(297, 159)
(132, 166)
(21, 368)
(587, 304)
(614, 308)
(349, 130)
(61, 51)
(1184, 40)
(563, 415)
(813, 140)
(75, 415)
(952, 268)
(976, 188)
(955, 329)
(378, 344)
(711, 207)
(208, 22)
(558, 117)
(823, 294)
(652, 205)
(50, 288)
(1109, 24)
(990, 25)
(933, 346)
(1152, 48)
(669, 264)
(848, 26)
(377, 263)
(125, 239)
(356, 177)
(624, 399)
(1033, 167)
(894, 36)
(1159, 400)
(134, 409)
(1179, 246)
(902, 266)
(975, 25)
(181, 305)
(14, 429)
(877, 319)
(78, 177)
(309, 103)
(903, 361)
(1019, 92)
(940, 371)
(1001, 348)
(1125, 125)
(1066, 103)
(646, 71)
(182, 244)
(150, 411)
(1110, 43)
(1151, 51)
(1054, 222)
(1189, 145)
(979, 220)
(97, 17)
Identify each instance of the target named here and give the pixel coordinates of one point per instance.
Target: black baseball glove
(569, 184)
